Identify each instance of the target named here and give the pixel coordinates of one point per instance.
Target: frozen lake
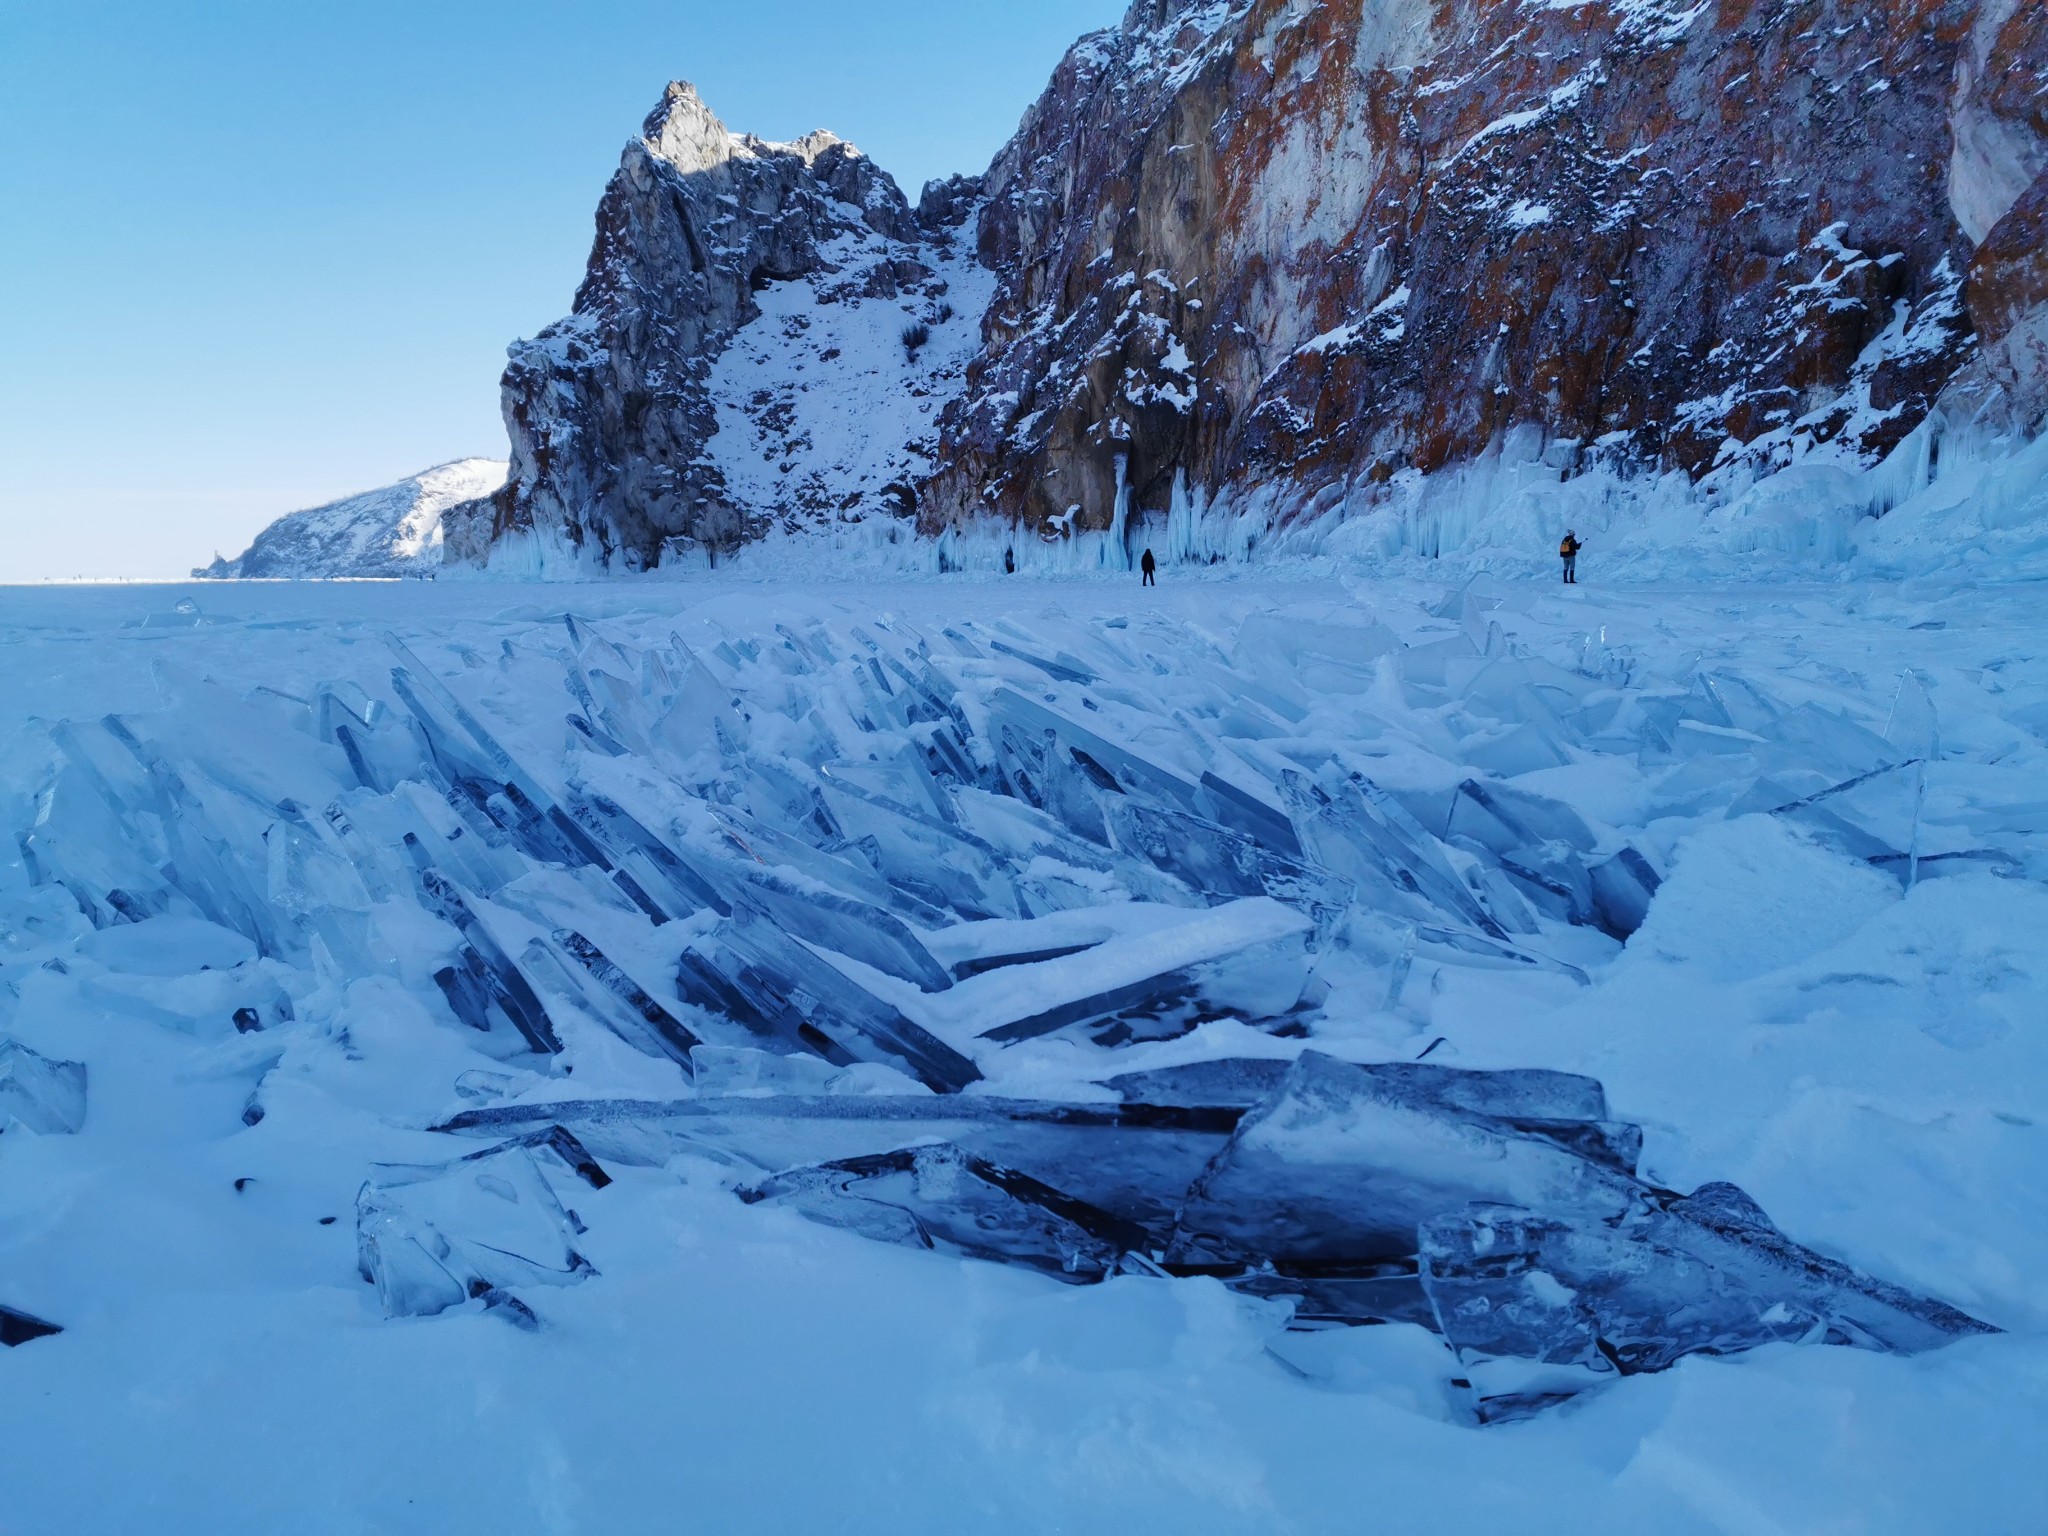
(1833, 993)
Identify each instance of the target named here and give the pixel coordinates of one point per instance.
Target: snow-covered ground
(1841, 1008)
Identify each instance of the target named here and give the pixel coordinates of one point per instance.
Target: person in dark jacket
(1148, 565)
(1569, 549)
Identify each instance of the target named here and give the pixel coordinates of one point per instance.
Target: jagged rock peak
(615, 413)
(685, 132)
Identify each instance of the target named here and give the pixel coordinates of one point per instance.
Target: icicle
(1116, 551)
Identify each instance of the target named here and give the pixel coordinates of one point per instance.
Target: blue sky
(256, 254)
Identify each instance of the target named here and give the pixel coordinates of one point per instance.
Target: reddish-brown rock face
(1283, 250)
(2000, 179)
(1277, 255)
(2009, 302)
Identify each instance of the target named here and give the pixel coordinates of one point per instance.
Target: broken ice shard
(1063, 782)
(973, 949)
(1675, 1276)
(1524, 748)
(842, 923)
(1467, 948)
(45, 1096)
(1810, 737)
(1323, 657)
(724, 1069)
(1132, 772)
(202, 855)
(654, 877)
(644, 1017)
(944, 1196)
(1247, 957)
(1553, 878)
(1359, 831)
(939, 864)
(1623, 887)
(506, 790)
(1131, 1160)
(1222, 863)
(751, 972)
(1066, 669)
(1499, 1207)
(1523, 1093)
(1238, 1082)
(415, 679)
(430, 1237)
(1877, 818)
(18, 1328)
(1543, 847)
(1344, 1164)
(573, 986)
(483, 975)
(1245, 812)
(1501, 819)
(1914, 729)
(849, 868)
(1346, 1295)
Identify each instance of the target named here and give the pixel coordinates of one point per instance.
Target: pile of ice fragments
(838, 876)
(47, 1097)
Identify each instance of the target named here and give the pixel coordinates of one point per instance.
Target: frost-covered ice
(40, 1094)
(435, 1236)
(1085, 921)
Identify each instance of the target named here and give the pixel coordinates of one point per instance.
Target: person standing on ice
(1148, 565)
(1569, 549)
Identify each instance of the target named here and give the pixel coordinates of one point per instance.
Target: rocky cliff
(1291, 250)
(1290, 256)
(641, 431)
(1999, 189)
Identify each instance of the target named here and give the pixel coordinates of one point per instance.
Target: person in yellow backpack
(1570, 550)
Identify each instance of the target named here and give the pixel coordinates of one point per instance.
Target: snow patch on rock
(826, 411)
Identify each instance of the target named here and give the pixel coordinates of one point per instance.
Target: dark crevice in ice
(20, 1327)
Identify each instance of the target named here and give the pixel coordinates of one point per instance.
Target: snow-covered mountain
(392, 531)
(1292, 258)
